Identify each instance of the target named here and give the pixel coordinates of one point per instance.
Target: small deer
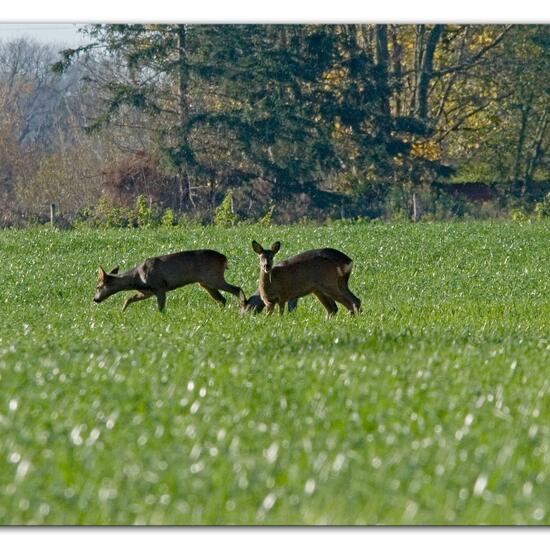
(323, 272)
(156, 276)
(255, 304)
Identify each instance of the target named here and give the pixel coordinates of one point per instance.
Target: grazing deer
(324, 273)
(156, 276)
(255, 304)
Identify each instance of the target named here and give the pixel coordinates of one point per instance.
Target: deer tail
(344, 269)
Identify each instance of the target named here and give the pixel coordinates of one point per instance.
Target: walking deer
(323, 272)
(156, 276)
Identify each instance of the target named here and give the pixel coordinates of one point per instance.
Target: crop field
(430, 407)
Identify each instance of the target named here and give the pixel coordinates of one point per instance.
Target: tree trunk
(183, 107)
(397, 70)
(518, 186)
(536, 150)
(368, 39)
(424, 57)
(415, 208)
(382, 64)
(183, 76)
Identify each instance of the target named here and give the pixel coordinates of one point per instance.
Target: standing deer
(255, 303)
(323, 272)
(156, 276)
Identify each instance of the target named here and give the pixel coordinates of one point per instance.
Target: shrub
(144, 212)
(542, 208)
(224, 215)
(168, 219)
(267, 219)
(519, 215)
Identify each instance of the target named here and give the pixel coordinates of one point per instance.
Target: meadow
(430, 407)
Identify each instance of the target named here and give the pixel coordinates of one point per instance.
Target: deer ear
(275, 247)
(102, 274)
(257, 247)
(114, 271)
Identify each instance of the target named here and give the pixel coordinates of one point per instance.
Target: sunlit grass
(430, 407)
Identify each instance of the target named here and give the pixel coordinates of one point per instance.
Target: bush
(144, 213)
(224, 215)
(168, 218)
(267, 219)
(519, 215)
(542, 208)
(105, 215)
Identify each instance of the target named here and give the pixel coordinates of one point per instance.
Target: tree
(147, 91)
(330, 117)
(283, 100)
(505, 137)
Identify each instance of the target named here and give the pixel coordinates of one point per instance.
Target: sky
(60, 33)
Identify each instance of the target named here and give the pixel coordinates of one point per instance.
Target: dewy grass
(431, 407)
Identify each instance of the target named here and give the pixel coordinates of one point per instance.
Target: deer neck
(266, 282)
(129, 281)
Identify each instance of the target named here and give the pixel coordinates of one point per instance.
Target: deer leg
(332, 303)
(269, 308)
(344, 288)
(328, 303)
(292, 305)
(235, 290)
(349, 295)
(336, 293)
(143, 295)
(345, 301)
(281, 308)
(215, 294)
(161, 299)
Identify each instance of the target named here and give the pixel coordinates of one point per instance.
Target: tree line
(311, 121)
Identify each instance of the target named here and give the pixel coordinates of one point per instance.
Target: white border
(235, 11)
(314, 11)
(276, 538)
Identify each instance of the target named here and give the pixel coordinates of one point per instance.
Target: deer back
(181, 268)
(301, 275)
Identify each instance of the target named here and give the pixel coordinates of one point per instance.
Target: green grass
(430, 407)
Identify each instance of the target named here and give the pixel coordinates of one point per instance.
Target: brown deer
(255, 304)
(323, 272)
(156, 276)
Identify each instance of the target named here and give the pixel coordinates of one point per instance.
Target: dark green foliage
(322, 113)
(282, 89)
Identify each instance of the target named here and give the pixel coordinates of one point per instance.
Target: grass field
(430, 407)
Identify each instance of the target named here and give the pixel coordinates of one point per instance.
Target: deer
(322, 272)
(255, 304)
(156, 276)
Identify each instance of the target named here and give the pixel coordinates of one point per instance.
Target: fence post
(52, 214)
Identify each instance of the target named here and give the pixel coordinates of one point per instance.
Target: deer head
(266, 256)
(107, 284)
